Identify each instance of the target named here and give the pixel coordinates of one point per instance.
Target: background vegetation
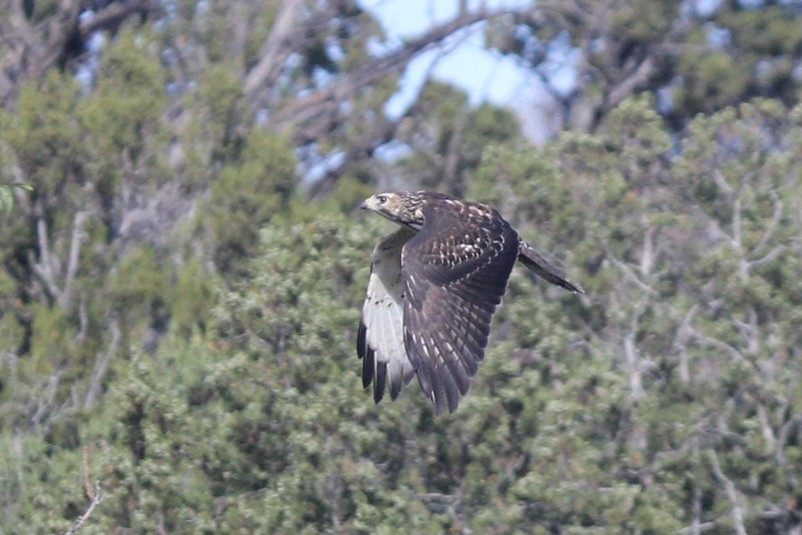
(180, 290)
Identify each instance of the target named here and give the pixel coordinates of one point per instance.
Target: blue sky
(485, 76)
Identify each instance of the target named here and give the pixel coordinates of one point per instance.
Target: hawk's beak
(366, 203)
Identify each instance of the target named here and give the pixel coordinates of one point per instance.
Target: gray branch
(736, 511)
(102, 365)
(97, 497)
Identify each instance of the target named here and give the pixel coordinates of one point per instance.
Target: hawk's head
(403, 207)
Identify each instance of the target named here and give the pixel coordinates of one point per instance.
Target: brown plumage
(434, 286)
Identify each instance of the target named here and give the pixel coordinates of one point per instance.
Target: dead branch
(324, 102)
(627, 271)
(636, 391)
(102, 365)
(681, 343)
(276, 48)
(44, 268)
(49, 266)
(113, 15)
(92, 492)
(87, 486)
(736, 511)
(78, 235)
(96, 498)
(32, 50)
(780, 444)
(717, 344)
(766, 259)
(44, 404)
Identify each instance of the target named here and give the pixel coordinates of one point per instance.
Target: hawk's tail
(543, 268)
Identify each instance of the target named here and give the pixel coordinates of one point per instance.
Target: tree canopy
(181, 275)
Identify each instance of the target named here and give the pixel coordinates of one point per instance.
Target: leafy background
(179, 299)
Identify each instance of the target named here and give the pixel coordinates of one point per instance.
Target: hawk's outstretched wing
(380, 339)
(455, 274)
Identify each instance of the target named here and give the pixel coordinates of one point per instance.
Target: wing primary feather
(444, 391)
(396, 383)
(428, 379)
(447, 372)
(361, 336)
(381, 381)
(455, 363)
(368, 367)
(380, 335)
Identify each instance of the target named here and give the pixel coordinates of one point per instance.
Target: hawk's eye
(381, 198)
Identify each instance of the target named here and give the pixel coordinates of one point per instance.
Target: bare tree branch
(276, 49)
(322, 103)
(114, 14)
(96, 498)
(768, 258)
(44, 268)
(102, 365)
(630, 274)
(781, 443)
(718, 344)
(44, 403)
(684, 333)
(78, 235)
(636, 391)
(765, 428)
(32, 51)
(647, 254)
(736, 511)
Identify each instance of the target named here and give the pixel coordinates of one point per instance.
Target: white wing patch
(383, 314)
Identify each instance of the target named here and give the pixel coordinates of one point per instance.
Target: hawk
(434, 286)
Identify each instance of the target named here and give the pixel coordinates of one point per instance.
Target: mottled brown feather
(456, 270)
(449, 266)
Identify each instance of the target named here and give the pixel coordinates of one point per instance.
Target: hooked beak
(366, 203)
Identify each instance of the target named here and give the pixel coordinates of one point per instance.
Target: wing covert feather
(455, 274)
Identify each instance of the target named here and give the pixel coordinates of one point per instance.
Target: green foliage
(177, 318)
(7, 195)
(43, 130)
(595, 415)
(218, 109)
(125, 104)
(742, 53)
(447, 138)
(136, 282)
(191, 298)
(249, 193)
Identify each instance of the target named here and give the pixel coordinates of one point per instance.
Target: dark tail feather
(545, 269)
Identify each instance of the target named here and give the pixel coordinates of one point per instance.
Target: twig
(97, 497)
(102, 361)
(87, 486)
(636, 391)
(769, 257)
(631, 274)
(718, 344)
(776, 218)
(65, 298)
(736, 510)
(93, 493)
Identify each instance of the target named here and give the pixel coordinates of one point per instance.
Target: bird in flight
(434, 286)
